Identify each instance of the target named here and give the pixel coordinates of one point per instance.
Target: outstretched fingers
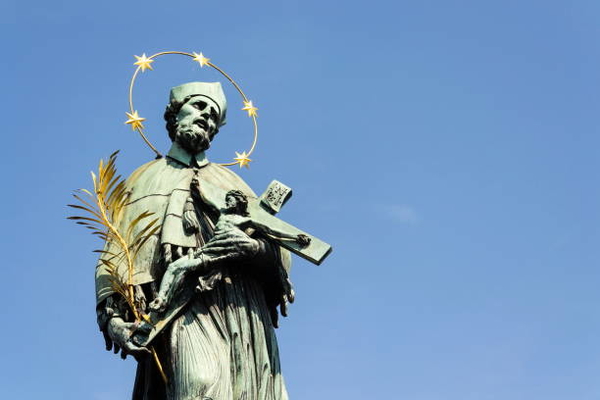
(227, 241)
(217, 250)
(228, 235)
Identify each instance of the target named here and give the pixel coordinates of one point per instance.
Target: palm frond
(103, 207)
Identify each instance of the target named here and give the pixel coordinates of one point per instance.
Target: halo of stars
(134, 120)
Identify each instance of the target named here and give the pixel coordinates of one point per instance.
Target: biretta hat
(211, 90)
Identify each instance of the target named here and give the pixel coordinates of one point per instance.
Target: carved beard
(192, 137)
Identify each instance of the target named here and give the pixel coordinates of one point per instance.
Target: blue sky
(446, 149)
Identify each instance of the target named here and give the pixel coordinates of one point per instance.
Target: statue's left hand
(119, 333)
(235, 244)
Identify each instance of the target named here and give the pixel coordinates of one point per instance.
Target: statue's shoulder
(146, 170)
(159, 177)
(157, 170)
(225, 178)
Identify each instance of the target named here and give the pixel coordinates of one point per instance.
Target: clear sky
(448, 150)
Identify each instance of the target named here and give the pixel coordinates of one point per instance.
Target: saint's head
(195, 113)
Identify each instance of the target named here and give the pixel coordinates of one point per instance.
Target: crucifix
(260, 215)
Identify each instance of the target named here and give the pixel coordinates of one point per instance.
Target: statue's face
(231, 202)
(196, 124)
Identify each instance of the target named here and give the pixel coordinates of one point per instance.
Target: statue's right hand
(120, 333)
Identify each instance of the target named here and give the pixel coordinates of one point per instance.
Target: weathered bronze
(208, 282)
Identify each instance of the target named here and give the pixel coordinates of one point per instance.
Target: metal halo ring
(136, 124)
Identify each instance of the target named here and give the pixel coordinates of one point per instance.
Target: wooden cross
(263, 210)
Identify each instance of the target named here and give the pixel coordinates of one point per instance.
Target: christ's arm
(301, 239)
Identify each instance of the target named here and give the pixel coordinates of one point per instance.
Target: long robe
(223, 345)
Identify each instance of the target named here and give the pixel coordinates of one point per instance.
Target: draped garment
(222, 346)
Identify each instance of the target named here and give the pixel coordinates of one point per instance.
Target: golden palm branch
(104, 207)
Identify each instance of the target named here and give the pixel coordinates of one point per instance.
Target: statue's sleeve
(108, 303)
(104, 287)
(141, 200)
(273, 268)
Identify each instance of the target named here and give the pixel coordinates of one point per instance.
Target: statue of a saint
(221, 345)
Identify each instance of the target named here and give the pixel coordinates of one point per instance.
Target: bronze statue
(217, 342)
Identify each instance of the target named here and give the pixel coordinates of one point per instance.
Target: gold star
(201, 59)
(144, 62)
(135, 120)
(242, 159)
(250, 109)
